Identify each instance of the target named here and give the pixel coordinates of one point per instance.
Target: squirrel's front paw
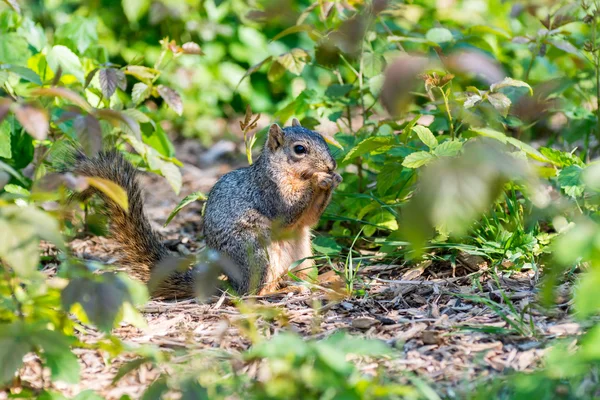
(325, 181)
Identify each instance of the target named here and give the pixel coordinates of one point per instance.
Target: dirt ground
(430, 312)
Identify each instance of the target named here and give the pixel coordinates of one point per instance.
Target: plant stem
(448, 112)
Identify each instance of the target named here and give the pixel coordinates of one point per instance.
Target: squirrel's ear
(275, 137)
(295, 122)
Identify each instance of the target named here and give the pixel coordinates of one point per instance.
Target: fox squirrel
(258, 216)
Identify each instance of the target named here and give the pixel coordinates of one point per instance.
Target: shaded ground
(454, 327)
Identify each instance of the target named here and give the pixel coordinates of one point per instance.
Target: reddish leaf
(33, 120)
(116, 118)
(89, 133)
(191, 48)
(108, 81)
(121, 79)
(4, 107)
(64, 94)
(171, 97)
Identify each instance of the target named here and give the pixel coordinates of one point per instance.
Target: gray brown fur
(259, 216)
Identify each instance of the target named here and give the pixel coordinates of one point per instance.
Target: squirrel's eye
(299, 149)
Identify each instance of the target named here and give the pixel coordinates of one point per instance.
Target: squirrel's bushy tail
(142, 248)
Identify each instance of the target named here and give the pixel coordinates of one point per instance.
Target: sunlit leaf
(500, 102)
(113, 191)
(62, 57)
(135, 9)
(140, 92)
(418, 159)
(144, 74)
(508, 82)
(439, 35)
(449, 148)
(426, 136)
(5, 140)
(294, 61)
(381, 143)
(190, 198)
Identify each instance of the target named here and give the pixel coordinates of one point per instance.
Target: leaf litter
(452, 326)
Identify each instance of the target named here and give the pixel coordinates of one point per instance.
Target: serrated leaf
(372, 64)
(380, 143)
(171, 97)
(62, 57)
(417, 159)
(426, 136)
(34, 120)
(187, 200)
(500, 102)
(108, 81)
(294, 61)
(144, 74)
(140, 92)
(113, 191)
(570, 181)
(507, 82)
(80, 32)
(449, 148)
(472, 100)
(64, 93)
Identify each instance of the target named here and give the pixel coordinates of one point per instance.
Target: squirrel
(259, 217)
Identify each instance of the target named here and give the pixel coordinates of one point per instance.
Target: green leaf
(13, 347)
(18, 242)
(426, 136)
(88, 395)
(5, 138)
(449, 148)
(570, 181)
(172, 174)
(142, 73)
(101, 298)
(337, 90)
(113, 191)
(135, 9)
(140, 92)
(585, 298)
(439, 35)
(529, 150)
(294, 61)
(418, 159)
(372, 64)
(500, 102)
(13, 49)
(62, 362)
(380, 143)
(187, 200)
(80, 32)
(61, 56)
(25, 73)
(508, 82)
(326, 245)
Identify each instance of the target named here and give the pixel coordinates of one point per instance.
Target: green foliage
(471, 124)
